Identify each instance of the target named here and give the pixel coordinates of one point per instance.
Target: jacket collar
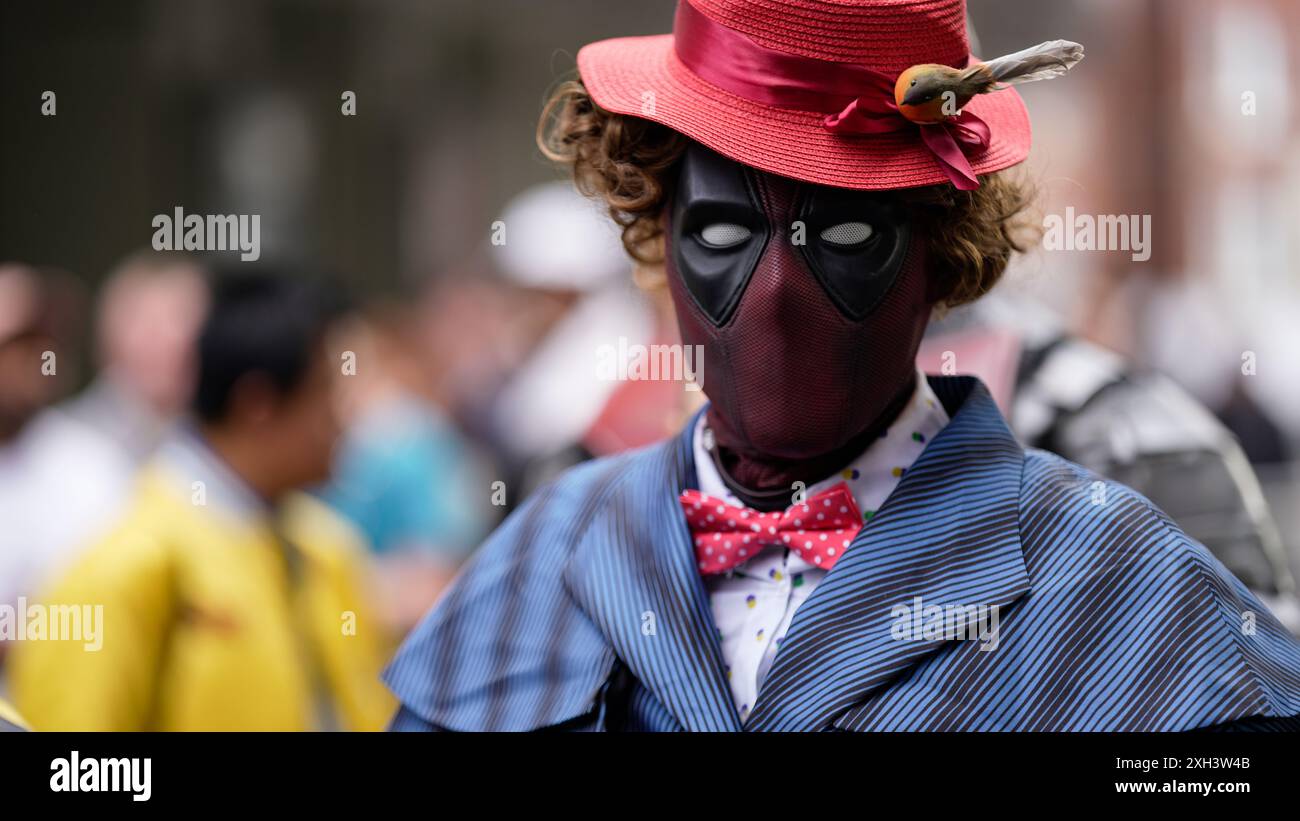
(635, 574)
(948, 534)
(190, 464)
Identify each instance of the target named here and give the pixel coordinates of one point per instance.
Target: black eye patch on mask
(719, 231)
(853, 242)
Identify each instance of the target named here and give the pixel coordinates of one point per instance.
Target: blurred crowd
(264, 484)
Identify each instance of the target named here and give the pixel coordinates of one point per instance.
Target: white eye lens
(724, 234)
(847, 233)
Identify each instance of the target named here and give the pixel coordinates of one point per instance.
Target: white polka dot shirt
(754, 604)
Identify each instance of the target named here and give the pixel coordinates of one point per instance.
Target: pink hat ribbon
(863, 98)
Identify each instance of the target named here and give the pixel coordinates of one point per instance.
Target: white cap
(555, 238)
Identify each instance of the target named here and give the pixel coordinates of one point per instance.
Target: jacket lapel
(635, 575)
(948, 534)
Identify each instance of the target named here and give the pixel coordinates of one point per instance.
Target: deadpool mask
(809, 304)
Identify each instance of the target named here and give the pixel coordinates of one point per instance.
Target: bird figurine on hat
(933, 93)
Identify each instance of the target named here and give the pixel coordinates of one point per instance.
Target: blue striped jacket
(585, 609)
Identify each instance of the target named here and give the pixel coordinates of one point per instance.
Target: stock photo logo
(1100, 232)
(76, 773)
(635, 362)
(209, 232)
(918, 621)
(53, 622)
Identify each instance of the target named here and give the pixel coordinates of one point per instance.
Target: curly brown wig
(629, 163)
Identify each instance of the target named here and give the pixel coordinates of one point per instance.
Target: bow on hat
(949, 139)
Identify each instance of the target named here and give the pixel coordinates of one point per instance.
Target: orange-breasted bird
(922, 91)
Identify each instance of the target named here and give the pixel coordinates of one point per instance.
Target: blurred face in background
(307, 426)
(149, 318)
(387, 338)
(473, 334)
(286, 438)
(26, 385)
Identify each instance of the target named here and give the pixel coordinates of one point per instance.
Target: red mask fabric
(809, 304)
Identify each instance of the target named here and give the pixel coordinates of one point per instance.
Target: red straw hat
(773, 84)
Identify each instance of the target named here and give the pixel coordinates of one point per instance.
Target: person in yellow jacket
(230, 601)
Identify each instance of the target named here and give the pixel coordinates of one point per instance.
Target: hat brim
(642, 77)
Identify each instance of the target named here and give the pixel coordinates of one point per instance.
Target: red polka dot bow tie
(818, 529)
